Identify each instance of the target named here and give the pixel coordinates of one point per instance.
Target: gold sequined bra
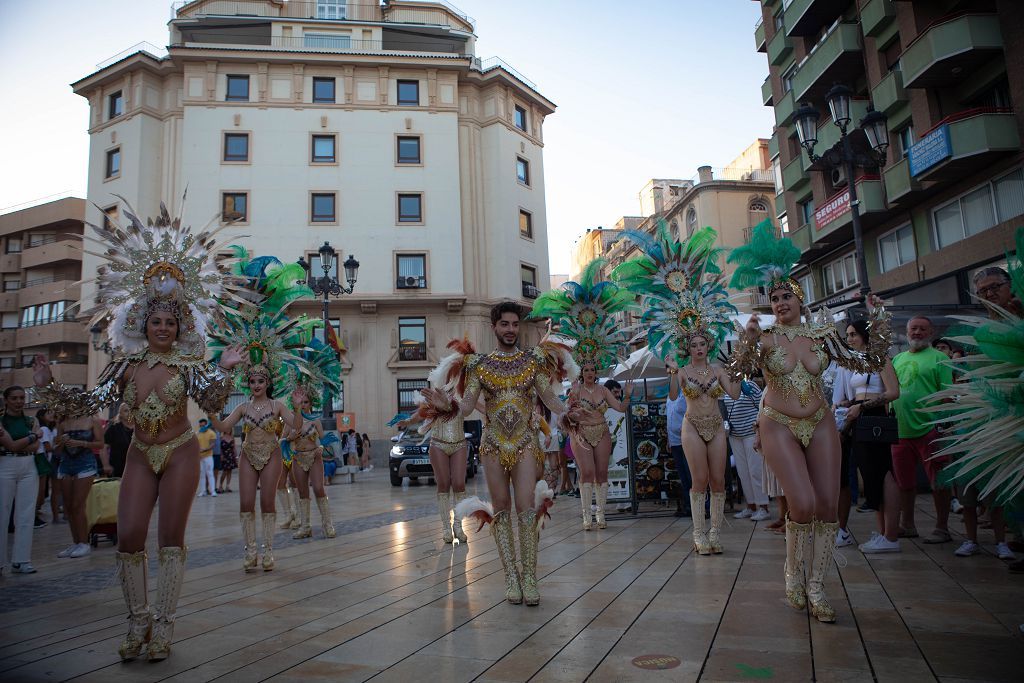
(152, 414)
(798, 380)
(694, 389)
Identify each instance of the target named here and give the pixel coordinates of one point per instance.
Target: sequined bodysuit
(448, 434)
(511, 382)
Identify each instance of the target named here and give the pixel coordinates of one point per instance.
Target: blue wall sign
(930, 150)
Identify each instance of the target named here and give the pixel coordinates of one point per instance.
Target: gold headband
(789, 284)
(258, 370)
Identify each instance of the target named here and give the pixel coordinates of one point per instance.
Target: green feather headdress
(683, 291)
(765, 261)
(584, 312)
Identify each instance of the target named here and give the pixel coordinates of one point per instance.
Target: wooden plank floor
(388, 601)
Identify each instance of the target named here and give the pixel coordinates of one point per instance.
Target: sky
(644, 90)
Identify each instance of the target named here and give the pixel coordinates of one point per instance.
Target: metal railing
(405, 12)
(756, 175)
(41, 241)
(325, 43)
(40, 281)
(491, 63)
(148, 48)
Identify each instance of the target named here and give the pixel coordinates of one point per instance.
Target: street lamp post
(845, 156)
(328, 286)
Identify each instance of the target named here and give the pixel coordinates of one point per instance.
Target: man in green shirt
(922, 371)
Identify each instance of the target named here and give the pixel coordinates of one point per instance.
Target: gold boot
(823, 544)
(168, 589)
(444, 510)
(131, 569)
(501, 528)
(602, 498)
(717, 516)
(269, 520)
(586, 492)
(249, 534)
(305, 530)
(700, 536)
(285, 506)
(456, 520)
(796, 541)
(323, 504)
(529, 537)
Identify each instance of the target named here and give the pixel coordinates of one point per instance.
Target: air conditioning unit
(408, 282)
(838, 177)
(530, 292)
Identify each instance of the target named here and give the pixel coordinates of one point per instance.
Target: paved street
(388, 601)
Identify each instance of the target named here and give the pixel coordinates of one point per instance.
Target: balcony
(950, 50)
(976, 139)
(839, 230)
(899, 186)
(425, 13)
(759, 42)
(48, 290)
(889, 94)
(784, 110)
(801, 237)
(773, 145)
(877, 16)
(780, 204)
(52, 333)
(836, 59)
(51, 253)
(806, 17)
(780, 47)
(63, 372)
(759, 301)
(793, 176)
(766, 92)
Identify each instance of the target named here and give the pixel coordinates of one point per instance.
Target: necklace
(703, 373)
(259, 408)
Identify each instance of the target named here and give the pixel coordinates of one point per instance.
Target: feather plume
(766, 258)
(480, 510)
(543, 500)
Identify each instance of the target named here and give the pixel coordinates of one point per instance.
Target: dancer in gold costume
(511, 380)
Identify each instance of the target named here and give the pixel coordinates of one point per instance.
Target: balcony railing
(752, 175)
(331, 44)
(491, 63)
(404, 12)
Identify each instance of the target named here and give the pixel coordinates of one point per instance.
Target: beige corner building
(731, 200)
(371, 125)
(41, 265)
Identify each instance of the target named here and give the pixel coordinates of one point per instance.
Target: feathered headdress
(324, 371)
(683, 291)
(766, 261)
(584, 313)
(159, 265)
(985, 428)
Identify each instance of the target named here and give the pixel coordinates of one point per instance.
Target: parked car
(410, 458)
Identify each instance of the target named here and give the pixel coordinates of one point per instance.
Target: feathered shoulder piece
(556, 359)
(583, 312)
(449, 374)
(159, 265)
(765, 261)
(683, 291)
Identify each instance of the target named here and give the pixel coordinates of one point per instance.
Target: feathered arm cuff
(71, 402)
(745, 359)
(209, 385)
(872, 359)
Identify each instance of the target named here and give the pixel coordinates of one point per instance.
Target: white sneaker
(844, 538)
(955, 506)
(880, 544)
(214, 494)
(1004, 552)
(968, 548)
(67, 551)
(745, 513)
(761, 515)
(81, 550)
(201, 494)
(27, 568)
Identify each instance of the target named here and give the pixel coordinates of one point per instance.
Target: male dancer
(512, 381)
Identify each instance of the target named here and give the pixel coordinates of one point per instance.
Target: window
(323, 89)
(906, 138)
(412, 271)
(322, 207)
(410, 208)
(528, 275)
(408, 93)
(525, 224)
(44, 314)
(412, 339)
(759, 205)
(10, 320)
(807, 284)
(787, 79)
(520, 119)
(316, 269)
(806, 210)
(234, 207)
(330, 9)
(13, 245)
(327, 41)
(840, 274)
(115, 105)
(691, 221)
(324, 149)
(896, 248)
(110, 217)
(777, 174)
(38, 239)
(338, 401)
(7, 363)
(409, 149)
(113, 163)
(335, 323)
(777, 20)
(238, 89)
(12, 283)
(1009, 195)
(236, 147)
(523, 171)
(980, 209)
(408, 390)
(783, 224)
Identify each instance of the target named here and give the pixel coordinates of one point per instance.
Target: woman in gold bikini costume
(308, 470)
(797, 431)
(591, 440)
(157, 293)
(263, 419)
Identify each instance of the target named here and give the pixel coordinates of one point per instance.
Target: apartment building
(41, 264)
(370, 125)
(949, 75)
(732, 200)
